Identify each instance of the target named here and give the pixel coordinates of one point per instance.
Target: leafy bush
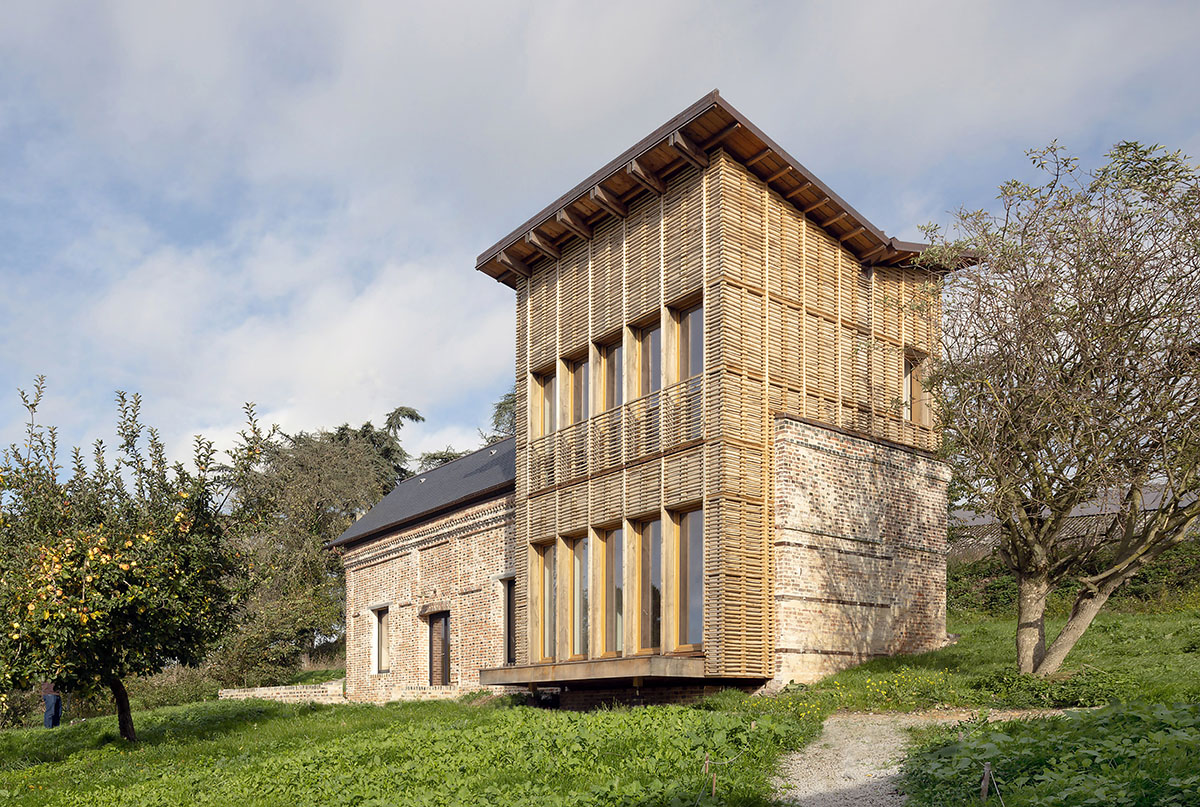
(1091, 687)
(1169, 584)
(1129, 755)
(23, 708)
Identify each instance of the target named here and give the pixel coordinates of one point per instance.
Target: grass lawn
(444, 753)
(1123, 656)
(441, 753)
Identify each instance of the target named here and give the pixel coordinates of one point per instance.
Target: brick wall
(328, 692)
(452, 563)
(860, 550)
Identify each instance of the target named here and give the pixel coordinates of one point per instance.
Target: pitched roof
(490, 471)
(685, 140)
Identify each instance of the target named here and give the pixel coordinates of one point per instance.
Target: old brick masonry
(860, 550)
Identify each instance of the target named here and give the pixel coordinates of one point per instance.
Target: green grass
(317, 676)
(440, 753)
(1123, 656)
(1136, 755)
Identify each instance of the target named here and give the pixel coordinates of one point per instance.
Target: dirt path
(856, 760)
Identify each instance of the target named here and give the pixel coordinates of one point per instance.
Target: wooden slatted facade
(794, 323)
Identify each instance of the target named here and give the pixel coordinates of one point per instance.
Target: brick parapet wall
(328, 692)
(860, 550)
(455, 563)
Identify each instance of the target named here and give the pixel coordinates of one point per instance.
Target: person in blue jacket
(53, 705)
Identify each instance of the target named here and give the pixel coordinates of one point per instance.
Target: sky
(281, 202)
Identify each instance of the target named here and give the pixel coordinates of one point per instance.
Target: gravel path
(856, 760)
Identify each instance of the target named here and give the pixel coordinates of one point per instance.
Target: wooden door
(439, 649)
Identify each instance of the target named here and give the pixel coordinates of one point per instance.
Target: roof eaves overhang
(686, 140)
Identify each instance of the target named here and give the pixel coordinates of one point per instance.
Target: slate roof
(490, 471)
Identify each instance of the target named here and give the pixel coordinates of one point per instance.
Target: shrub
(1130, 755)
(1091, 687)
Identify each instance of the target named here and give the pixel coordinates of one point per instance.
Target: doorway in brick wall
(439, 649)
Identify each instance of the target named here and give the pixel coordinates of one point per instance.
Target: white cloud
(220, 202)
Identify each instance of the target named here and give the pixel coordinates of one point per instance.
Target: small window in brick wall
(510, 621)
(383, 641)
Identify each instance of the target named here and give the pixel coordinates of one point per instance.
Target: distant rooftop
(490, 471)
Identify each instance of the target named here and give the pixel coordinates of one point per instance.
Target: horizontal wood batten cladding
(792, 324)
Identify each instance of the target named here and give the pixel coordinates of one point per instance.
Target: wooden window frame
(578, 368)
(679, 579)
(644, 574)
(574, 544)
(546, 607)
(545, 413)
(916, 399)
(607, 361)
(641, 333)
(612, 537)
(683, 326)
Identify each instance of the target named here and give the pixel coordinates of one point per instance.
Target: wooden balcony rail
(684, 412)
(606, 440)
(541, 462)
(572, 452)
(643, 426)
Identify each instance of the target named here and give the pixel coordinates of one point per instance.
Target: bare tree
(1069, 373)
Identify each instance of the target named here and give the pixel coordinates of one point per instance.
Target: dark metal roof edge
(404, 523)
(798, 166)
(682, 119)
(694, 111)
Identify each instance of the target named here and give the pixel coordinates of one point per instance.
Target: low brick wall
(328, 692)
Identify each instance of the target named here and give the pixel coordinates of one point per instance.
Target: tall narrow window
(580, 388)
(650, 584)
(611, 358)
(649, 356)
(383, 642)
(690, 554)
(510, 621)
(691, 343)
(916, 406)
(614, 590)
(439, 649)
(545, 409)
(579, 596)
(546, 605)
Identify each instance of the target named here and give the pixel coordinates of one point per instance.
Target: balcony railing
(541, 462)
(572, 452)
(643, 426)
(606, 440)
(656, 422)
(684, 412)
